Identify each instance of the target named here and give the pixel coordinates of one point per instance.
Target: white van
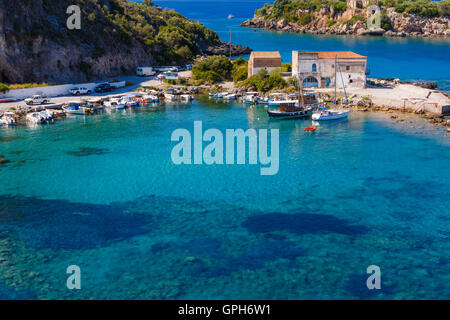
(145, 71)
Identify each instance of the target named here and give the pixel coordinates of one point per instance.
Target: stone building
(317, 69)
(268, 60)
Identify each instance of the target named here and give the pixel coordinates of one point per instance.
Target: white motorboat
(115, 104)
(231, 96)
(332, 114)
(170, 97)
(8, 119)
(149, 98)
(186, 97)
(221, 95)
(35, 118)
(47, 116)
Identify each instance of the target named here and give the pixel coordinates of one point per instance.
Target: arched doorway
(310, 82)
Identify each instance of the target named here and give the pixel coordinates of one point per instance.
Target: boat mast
(230, 44)
(300, 97)
(335, 77)
(343, 85)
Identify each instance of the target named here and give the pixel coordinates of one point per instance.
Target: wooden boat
(289, 110)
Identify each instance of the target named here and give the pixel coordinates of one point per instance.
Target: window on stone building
(314, 68)
(347, 68)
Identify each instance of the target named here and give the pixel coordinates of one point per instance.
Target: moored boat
(332, 114)
(115, 104)
(229, 97)
(289, 110)
(8, 119)
(186, 97)
(73, 107)
(35, 118)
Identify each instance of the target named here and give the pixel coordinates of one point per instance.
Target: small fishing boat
(35, 118)
(289, 110)
(250, 97)
(170, 97)
(150, 99)
(186, 97)
(5, 100)
(47, 116)
(332, 114)
(8, 119)
(221, 95)
(115, 104)
(229, 97)
(73, 107)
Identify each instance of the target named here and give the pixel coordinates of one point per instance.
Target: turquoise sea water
(102, 193)
(414, 59)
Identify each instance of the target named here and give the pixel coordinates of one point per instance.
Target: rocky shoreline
(327, 21)
(224, 49)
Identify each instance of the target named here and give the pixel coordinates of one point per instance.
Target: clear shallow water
(405, 58)
(101, 192)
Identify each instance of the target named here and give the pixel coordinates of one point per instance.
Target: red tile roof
(266, 54)
(339, 54)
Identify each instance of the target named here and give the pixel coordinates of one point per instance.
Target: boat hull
(319, 117)
(289, 114)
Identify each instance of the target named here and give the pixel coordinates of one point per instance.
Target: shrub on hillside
(4, 88)
(240, 70)
(213, 69)
(264, 81)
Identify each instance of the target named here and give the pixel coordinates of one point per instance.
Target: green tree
(214, 69)
(4, 88)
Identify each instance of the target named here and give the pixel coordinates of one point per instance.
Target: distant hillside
(115, 37)
(398, 17)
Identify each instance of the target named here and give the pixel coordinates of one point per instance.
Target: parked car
(36, 99)
(79, 90)
(104, 87)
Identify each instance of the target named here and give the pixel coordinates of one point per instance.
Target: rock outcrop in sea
(353, 21)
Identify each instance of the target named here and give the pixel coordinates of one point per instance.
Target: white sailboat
(332, 114)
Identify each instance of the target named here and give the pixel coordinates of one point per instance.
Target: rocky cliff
(115, 37)
(349, 18)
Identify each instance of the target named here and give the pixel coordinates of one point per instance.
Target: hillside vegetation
(398, 17)
(288, 8)
(115, 37)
